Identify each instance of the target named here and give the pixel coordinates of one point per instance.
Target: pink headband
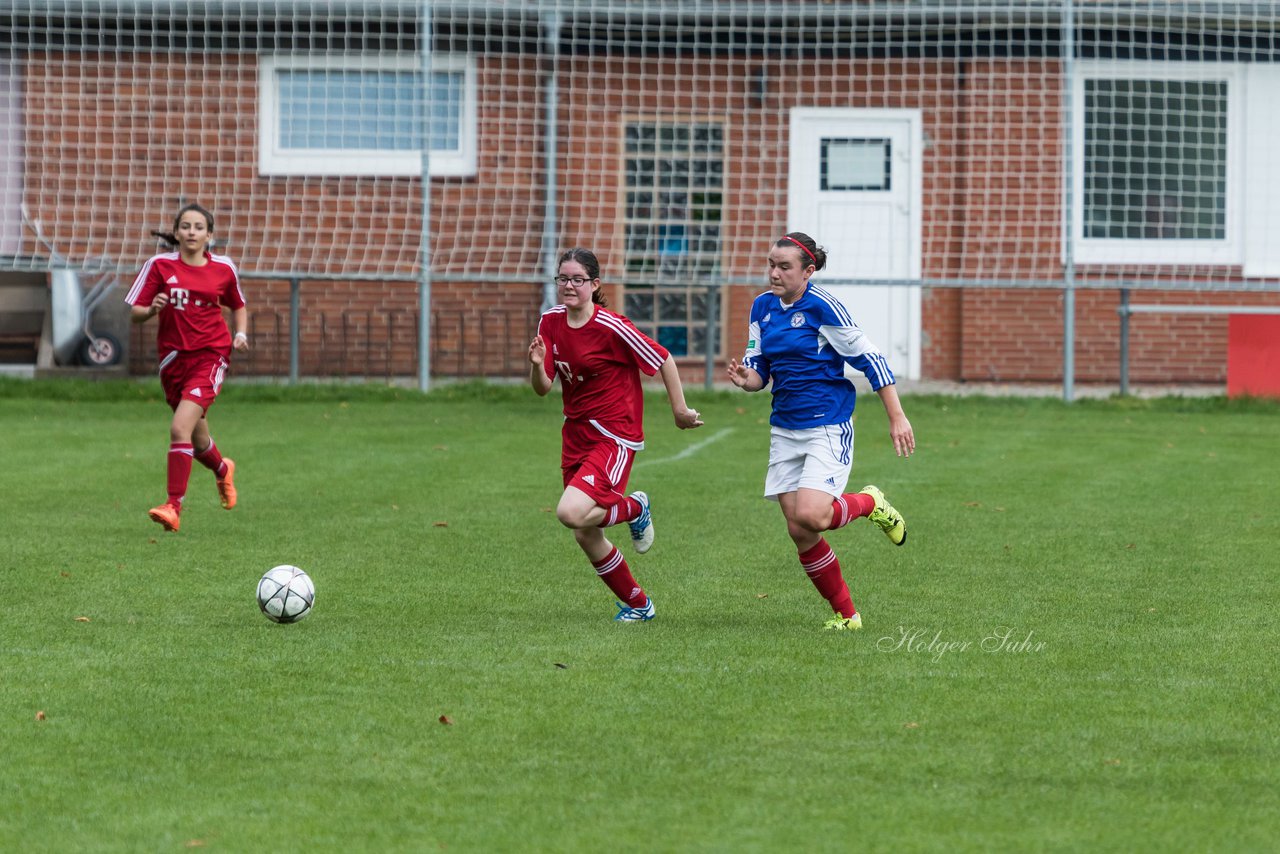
(802, 246)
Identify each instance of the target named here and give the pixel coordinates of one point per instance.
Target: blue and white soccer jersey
(802, 349)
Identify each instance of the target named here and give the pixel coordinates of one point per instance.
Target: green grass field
(1075, 651)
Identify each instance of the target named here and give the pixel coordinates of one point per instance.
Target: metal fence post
(295, 285)
(1068, 203)
(425, 35)
(1124, 341)
(713, 327)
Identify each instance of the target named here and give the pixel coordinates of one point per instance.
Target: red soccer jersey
(193, 318)
(598, 368)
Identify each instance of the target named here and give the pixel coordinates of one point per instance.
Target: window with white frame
(1157, 159)
(344, 115)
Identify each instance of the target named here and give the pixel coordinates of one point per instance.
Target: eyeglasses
(576, 281)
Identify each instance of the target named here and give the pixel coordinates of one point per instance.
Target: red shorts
(596, 464)
(195, 376)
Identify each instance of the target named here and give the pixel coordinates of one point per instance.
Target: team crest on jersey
(797, 319)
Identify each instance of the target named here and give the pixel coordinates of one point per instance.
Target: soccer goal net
(936, 149)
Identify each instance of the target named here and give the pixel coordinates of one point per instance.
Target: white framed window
(362, 115)
(1158, 153)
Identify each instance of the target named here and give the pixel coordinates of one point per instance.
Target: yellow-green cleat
(885, 517)
(844, 624)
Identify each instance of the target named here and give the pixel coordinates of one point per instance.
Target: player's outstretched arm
(685, 417)
(743, 377)
(904, 440)
(537, 357)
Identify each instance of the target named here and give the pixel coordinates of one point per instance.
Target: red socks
(820, 562)
(624, 511)
(848, 507)
(615, 573)
(179, 471)
(211, 458)
(823, 568)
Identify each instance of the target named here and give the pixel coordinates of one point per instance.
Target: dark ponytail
(170, 237)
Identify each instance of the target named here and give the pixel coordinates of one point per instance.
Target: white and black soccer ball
(286, 594)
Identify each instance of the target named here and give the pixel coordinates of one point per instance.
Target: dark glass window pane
(675, 339)
(639, 306)
(674, 204)
(1155, 159)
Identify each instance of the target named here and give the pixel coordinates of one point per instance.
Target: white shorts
(815, 458)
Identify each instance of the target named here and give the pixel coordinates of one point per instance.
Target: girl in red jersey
(187, 289)
(599, 356)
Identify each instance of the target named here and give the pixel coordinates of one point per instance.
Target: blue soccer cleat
(642, 527)
(627, 614)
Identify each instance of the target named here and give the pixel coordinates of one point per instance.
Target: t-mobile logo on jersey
(565, 371)
(179, 297)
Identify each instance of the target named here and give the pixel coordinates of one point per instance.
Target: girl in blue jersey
(800, 339)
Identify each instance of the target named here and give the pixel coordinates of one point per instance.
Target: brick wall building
(118, 130)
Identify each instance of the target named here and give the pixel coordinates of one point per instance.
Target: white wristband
(242, 335)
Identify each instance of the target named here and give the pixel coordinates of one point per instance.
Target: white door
(855, 187)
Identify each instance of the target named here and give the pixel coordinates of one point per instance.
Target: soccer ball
(286, 594)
